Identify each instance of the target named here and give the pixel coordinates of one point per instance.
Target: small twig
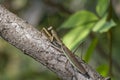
(109, 17)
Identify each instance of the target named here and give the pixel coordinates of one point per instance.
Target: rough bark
(35, 44)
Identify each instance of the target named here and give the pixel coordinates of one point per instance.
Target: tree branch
(35, 44)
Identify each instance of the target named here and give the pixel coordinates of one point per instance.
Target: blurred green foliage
(83, 25)
(102, 6)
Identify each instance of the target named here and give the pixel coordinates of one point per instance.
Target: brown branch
(35, 44)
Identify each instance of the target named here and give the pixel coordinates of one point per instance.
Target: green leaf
(99, 24)
(107, 26)
(90, 50)
(101, 7)
(103, 26)
(103, 69)
(79, 18)
(77, 35)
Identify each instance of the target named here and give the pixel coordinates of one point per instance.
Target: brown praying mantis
(51, 35)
